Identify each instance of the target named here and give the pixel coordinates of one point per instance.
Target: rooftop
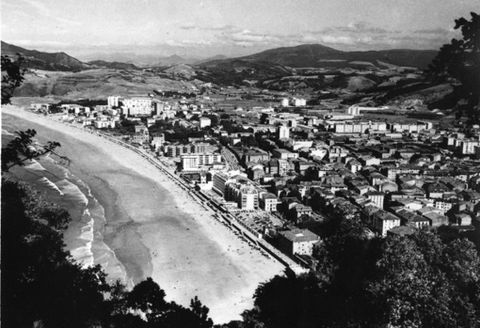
(299, 235)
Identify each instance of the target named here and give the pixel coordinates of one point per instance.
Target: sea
(51, 178)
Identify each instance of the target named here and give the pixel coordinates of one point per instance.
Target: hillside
(97, 83)
(56, 61)
(114, 64)
(307, 55)
(309, 59)
(316, 55)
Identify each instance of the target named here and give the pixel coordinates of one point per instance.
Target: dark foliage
(414, 281)
(12, 76)
(461, 60)
(20, 150)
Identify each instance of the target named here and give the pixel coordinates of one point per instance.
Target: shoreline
(199, 256)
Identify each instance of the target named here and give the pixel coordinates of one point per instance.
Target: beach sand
(155, 228)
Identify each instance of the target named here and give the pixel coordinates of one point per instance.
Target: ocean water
(84, 236)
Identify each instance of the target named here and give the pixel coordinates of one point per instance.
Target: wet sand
(155, 228)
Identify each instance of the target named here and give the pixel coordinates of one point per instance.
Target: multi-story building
(384, 221)
(298, 241)
(178, 150)
(255, 155)
(158, 141)
(377, 198)
(137, 106)
(196, 161)
(284, 154)
(204, 122)
(409, 127)
(221, 179)
(283, 132)
(104, 123)
(468, 147)
(268, 202)
(299, 102)
(285, 102)
(245, 195)
(113, 101)
(141, 135)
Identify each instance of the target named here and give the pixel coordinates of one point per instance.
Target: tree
(12, 76)
(40, 282)
(148, 298)
(20, 150)
(201, 311)
(461, 60)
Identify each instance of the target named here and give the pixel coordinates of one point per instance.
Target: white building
(283, 133)
(377, 198)
(113, 101)
(298, 241)
(353, 110)
(268, 202)
(192, 162)
(137, 106)
(104, 123)
(299, 102)
(246, 196)
(204, 122)
(468, 146)
(221, 179)
(158, 141)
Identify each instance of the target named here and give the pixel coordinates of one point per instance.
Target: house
(461, 219)
(436, 190)
(204, 122)
(284, 154)
(412, 219)
(381, 221)
(298, 241)
(268, 202)
(353, 165)
(141, 135)
(436, 218)
(300, 210)
(255, 155)
(158, 141)
(377, 198)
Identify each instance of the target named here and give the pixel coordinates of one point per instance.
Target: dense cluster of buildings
(394, 176)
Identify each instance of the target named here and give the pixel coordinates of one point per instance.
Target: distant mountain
(205, 60)
(180, 71)
(316, 55)
(57, 61)
(307, 55)
(280, 63)
(174, 60)
(114, 64)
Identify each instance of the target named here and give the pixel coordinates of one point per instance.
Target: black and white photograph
(240, 164)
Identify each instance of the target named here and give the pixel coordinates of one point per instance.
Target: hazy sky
(208, 27)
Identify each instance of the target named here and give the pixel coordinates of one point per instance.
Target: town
(281, 167)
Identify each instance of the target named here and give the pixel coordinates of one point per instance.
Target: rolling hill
(114, 64)
(316, 55)
(57, 61)
(285, 61)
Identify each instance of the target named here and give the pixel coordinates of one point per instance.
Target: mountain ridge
(51, 61)
(311, 55)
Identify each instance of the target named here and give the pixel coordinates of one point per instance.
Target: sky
(202, 28)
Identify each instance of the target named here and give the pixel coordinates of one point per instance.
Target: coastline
(185, 250)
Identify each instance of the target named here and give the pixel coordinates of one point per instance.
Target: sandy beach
(155, 228)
